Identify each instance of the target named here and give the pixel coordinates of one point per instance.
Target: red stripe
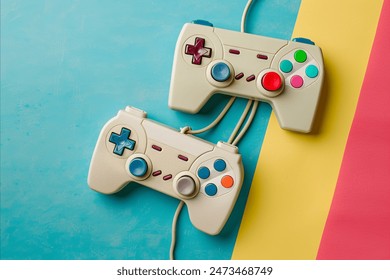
(358, 225)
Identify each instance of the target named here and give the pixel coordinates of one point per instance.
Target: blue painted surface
(67, 67)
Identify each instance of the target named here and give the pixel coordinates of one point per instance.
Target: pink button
(296, 81)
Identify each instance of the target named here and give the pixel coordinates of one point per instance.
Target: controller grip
(209, 214)
(107, 178)
(181, 99)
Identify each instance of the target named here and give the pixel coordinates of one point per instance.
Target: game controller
(207, 177)
(286, 74)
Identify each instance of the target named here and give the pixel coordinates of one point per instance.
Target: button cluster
(215, 173)
(293, 63)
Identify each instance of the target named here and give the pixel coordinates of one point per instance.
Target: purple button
(296, 81)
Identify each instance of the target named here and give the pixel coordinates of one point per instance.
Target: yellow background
(296, 175)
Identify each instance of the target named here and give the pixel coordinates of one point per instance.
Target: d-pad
(198, 51)
(122, 141)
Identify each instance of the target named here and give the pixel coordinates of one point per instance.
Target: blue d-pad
(122, 141)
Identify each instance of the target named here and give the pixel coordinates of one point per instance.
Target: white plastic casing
(249, 58)
(168, 155)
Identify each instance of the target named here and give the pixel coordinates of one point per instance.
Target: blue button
(138, 167)
(286, 66)
(202, 22)
(203, 172)
(220, 72)
(211, 189)
(303, 40)
(311, 71)
(122, 141)
(219, 165)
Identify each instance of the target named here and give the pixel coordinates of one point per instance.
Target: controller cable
(233, 139)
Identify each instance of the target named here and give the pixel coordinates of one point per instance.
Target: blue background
(67, 67)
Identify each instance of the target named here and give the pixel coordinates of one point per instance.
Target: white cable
(244, 14)
(216, 121)
(247, 124)
(174, 223)
(211, 125)
(232, 99)
(240, 121)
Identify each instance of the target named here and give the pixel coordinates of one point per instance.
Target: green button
(286, 66)
(300, 56)
(311, 71)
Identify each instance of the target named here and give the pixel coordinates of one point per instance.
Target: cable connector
(185, 129)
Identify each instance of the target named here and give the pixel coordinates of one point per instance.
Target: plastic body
(132, 148)
(286, 74)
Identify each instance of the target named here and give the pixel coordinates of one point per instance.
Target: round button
(185, 186)
(296, 81)
(300, 56)
(220, 72)
(203, 172)
(271, 81)
(311, 71)
(138, 167)
(219, 165)
(211, 189)
(227, 181)
(286, 66)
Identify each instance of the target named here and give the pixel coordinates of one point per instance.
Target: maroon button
(198, 51)
(183, 157)
(156, 173)
(250, 78)
(271, 81)
(234, 51)
(239, 76)
(262, 56)
(157, 148)
(167, 177)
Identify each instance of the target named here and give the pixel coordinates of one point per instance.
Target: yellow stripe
(296, 173)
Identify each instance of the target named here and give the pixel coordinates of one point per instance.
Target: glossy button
(202, 22)
(311, 71)
(211, 189)
(220, 72)
(286, 66)
(300, 56)
(303, 40)
(203, 172)
(122, 141)
(271, 81)
(186, 186)
(138, 167)
(219, 165)
(296, 81)
(227, 181)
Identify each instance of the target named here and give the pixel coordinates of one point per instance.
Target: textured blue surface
(67, 67)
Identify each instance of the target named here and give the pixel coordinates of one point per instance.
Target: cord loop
(185, 129)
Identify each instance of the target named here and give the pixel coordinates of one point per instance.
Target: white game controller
(205, 176)
(286, 74)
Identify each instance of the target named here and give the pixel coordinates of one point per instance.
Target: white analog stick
(186, 186)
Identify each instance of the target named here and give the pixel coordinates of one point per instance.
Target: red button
(227, 181)
(271, 81)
